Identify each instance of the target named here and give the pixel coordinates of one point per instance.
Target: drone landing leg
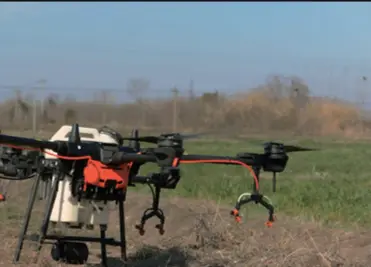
(48, 211)
(45, 188)
(27, 218)
(42, 190)
(122, 231)
(274, 182)
(103, 229)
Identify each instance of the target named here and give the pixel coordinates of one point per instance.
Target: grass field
(329, 186)
(326, 192)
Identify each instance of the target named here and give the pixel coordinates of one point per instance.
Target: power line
(4, 87)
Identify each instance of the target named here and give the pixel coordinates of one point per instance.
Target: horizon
(227, 47)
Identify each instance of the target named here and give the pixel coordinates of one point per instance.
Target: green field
(329, 186)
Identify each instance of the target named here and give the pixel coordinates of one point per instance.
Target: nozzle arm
(258, 199)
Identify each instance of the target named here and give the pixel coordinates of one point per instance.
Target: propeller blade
(147, 139)
(155, 139)
(183, 136)
(289, 148)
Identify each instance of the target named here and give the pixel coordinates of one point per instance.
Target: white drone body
(66, 208)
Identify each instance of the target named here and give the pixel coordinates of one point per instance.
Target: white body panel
(66, 208)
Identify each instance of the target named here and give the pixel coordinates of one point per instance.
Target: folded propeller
(161, 137)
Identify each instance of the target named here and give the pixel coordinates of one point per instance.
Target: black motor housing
(18, 162)
(276, 157)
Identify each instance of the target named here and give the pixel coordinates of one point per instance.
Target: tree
(137, 88)
(299, 92)
(106, 99)
(50, 104)
(70, 116)
(275, 86)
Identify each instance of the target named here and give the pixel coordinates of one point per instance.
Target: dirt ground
(202, 234)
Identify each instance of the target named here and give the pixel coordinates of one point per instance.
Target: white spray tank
(66, 208)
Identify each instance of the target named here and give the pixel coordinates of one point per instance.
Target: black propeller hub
(274, 148)
(174, 141)
(276, 157)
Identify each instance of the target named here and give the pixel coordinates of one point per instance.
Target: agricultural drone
(82, 169)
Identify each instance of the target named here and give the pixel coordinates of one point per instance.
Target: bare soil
(202, 234)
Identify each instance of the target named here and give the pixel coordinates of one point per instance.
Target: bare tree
(137, 88)
(18, 96)
(106, 99)
(275, 86)
(70, 116)
(50, 105)
(299, 92)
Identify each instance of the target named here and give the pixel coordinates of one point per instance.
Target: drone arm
(247, 159)
(28, 142)
(215, 160)
(121, 157)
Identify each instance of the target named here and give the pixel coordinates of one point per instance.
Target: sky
(222, 46)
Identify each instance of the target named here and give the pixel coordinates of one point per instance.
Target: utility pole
(34, 115)
(106, 98)
(175, 92)
(191, 90)
(364, 97)
(41, 84)
(17, 94)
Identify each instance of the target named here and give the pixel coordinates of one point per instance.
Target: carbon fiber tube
(29, 142)
(121, 157)
(226, 160)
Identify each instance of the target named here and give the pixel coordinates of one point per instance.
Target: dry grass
(200, 233)
(258, 111)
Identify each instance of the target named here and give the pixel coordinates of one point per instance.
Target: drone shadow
(149, 256)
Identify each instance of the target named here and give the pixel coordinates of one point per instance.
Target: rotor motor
(276, 157)
(17, 162)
